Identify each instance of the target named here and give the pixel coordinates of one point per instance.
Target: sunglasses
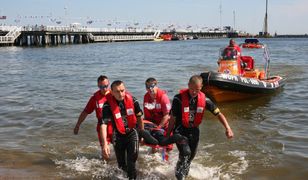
(103, 86)
(151, 86)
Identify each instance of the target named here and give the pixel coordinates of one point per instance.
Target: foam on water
(208, 146)
(88, 167)
(198, 171)
(79, 164)
(241, 164)
(149, 166)
(236, 165)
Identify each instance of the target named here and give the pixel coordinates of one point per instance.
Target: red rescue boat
(166, 37)
(252, 44)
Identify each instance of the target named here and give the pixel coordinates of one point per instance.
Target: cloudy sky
(285, 16)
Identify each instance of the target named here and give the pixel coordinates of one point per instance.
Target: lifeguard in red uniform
(186, 115)
(156, 107)
(122, 110)
(235, 46)
(96, 103)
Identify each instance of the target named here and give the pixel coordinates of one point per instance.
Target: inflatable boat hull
(225, 87)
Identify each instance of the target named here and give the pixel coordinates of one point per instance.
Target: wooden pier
(56, 35)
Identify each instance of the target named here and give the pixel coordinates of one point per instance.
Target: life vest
(185, 108)
(130, 112)
(230, 62)
(100, 101)
(237, 47)
(153, 111)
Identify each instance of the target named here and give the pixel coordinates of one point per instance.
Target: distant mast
(220, 12)
(265, 25)
(265, 21)
(234, 21)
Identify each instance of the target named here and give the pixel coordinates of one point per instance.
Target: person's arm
(164, 121)
(81, 118)
(140, 122)
(105, 147)
(146, 112)
(171, 125)
(222, 119)
(173, 113)
(224, 122)
(107, 115)
(165, 105)
(87, 110)
(138, 113)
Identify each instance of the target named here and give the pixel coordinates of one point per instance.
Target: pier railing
(7, 28)
(112, 38)
(10, 37)
(82, 29)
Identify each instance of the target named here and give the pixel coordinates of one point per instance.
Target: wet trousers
(126, 148)
(187, 151)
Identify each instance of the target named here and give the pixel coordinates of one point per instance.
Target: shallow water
(43, 90)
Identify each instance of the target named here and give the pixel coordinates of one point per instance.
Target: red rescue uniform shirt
(96, 102)
(155, 109)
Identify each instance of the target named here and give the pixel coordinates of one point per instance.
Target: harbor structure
(77, 34)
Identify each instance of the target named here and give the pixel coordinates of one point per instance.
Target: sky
(284, 16)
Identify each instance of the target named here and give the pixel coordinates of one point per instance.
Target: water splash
(95, 168)
(241, 164)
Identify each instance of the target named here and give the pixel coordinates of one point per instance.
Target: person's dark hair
(116, 83)
(101, 78)
(231, 42)
(151, 80)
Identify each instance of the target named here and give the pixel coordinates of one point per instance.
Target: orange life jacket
(130, 112)
(154, 113)
(185, 108)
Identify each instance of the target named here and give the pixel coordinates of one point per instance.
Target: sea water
(43, 90)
